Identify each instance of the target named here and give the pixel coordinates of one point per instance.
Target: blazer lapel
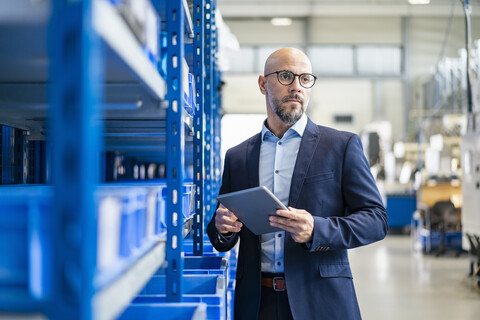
(308, 145)
(253, 160)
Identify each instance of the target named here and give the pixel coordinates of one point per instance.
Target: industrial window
(332, 60)
(242, 60)
(377, 60)
(341, 60)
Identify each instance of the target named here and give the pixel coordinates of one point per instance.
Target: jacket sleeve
(365, 220)
(224, 244)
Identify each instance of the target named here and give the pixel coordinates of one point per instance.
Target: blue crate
(452, 240)
(209, 289)
(400, 208)
(189, 96)
(187, 198)
(25, 246)
(204, 265)
(161, 220)
(207, 265)
(156, 188)
(141, 218)
(132, 229)
(192, 284)
(164, 311)
(135, 212)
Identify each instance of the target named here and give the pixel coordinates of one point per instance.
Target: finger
(292, 225)
(225, 211)
(221, 211)
(228, 219)
(282, 226)
(280, 221)
(230, 228)
(222, 220)
(286, 214)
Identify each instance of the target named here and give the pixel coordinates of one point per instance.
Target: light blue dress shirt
(277, 161)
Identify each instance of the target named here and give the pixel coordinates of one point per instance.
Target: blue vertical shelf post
(208, 110)
(175, 149)
(76, 72)
(199, 121)
(20, 151)
(215, 107)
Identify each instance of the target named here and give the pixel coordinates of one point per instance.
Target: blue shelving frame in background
(175, 149)
(199, 124)
(208, 107)
(75, 72)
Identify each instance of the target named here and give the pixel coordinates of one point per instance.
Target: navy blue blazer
(332, 181)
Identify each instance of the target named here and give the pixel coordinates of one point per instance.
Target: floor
(393, 282)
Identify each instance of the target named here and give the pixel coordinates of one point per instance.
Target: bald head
(287, 56)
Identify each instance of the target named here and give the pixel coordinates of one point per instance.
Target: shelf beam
(114, 31)
(111, 301)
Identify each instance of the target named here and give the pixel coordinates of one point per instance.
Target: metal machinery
(452, 125)
(109, 115)
(471, 157)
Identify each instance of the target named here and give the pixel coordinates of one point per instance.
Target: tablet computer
(252, 207)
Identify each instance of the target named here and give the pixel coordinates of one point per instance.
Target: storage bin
(400, 208)
(165, 311)
(189, 95)
(209, 289)
(109, 214)
(188, 200)
(161, 219)
(452, 240)
(25, 245)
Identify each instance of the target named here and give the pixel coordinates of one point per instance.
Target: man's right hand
(226, 221)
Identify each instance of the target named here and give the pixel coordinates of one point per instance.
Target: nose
(295, 85)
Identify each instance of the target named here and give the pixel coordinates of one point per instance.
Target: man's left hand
(296, 221)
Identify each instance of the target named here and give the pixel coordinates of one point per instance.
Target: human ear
(261, 84)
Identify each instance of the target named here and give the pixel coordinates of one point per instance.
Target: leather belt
(276, 283)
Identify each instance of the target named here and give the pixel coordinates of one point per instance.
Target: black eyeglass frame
(294, 76)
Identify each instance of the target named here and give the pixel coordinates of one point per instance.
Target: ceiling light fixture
(281, 22)
(419, 1)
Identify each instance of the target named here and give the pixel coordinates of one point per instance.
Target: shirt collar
(298, 127)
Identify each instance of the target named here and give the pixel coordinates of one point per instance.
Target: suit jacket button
(318, 248)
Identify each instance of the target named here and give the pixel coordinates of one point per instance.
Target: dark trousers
(274, 305)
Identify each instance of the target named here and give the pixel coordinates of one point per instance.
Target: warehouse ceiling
(319, 8)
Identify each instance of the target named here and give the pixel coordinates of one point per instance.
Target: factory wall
(366, 99)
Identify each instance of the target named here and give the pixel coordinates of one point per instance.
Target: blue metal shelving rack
(83, 121)
(175, 149)
(75, 134)
(208, 107)
(199, 124)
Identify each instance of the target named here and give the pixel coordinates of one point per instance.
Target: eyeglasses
(286, 78)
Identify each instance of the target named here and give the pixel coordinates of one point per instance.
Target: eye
(305, 78)
(286, 75)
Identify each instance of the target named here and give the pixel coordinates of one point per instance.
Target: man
(333, 205)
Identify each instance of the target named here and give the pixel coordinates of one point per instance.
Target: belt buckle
(275, 283)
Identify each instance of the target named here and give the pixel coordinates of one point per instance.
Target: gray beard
(288, 118)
